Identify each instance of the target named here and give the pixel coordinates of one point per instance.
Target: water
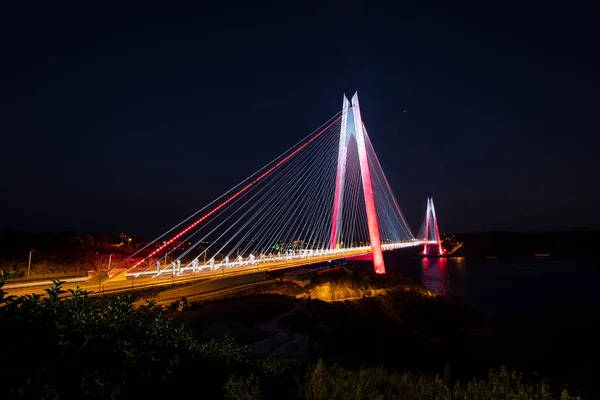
(545, 311)
(507, 288)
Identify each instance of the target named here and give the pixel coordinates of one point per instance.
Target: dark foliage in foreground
(104, 348)
(84, 347)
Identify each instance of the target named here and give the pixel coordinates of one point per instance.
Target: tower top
(353, 101)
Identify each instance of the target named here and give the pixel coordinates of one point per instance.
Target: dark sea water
(506, 288)
(546, 312)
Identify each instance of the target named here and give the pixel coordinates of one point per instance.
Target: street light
(29, 265)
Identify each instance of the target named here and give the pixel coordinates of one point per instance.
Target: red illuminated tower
(431, 233)
(352, 126)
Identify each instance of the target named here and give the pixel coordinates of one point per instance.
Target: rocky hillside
(347, 316)
(349, 284)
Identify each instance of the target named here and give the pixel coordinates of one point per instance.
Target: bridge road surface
(119, 283)
(166, 279)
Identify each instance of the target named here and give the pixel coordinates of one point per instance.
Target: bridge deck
(270, 263)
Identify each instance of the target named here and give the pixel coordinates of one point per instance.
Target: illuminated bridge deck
(268, 262)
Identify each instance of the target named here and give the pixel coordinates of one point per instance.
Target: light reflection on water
(434, 275)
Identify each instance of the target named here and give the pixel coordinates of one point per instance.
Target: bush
(322, 382)
(86, 348)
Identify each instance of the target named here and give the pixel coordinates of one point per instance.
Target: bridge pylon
(352, 125)
(431, 233)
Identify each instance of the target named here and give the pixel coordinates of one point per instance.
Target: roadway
(125, 282)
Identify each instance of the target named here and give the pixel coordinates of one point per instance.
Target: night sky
(130, 119)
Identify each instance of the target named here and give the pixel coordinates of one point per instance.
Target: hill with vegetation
(84, 347)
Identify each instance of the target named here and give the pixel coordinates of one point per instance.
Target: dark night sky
(129, 119)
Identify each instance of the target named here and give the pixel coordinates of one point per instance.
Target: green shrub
(323, 382)
(84, 347)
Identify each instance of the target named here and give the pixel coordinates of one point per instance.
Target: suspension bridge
(325, 198)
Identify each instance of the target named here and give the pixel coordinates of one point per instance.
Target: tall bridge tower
(352, 126)
(431, 233)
